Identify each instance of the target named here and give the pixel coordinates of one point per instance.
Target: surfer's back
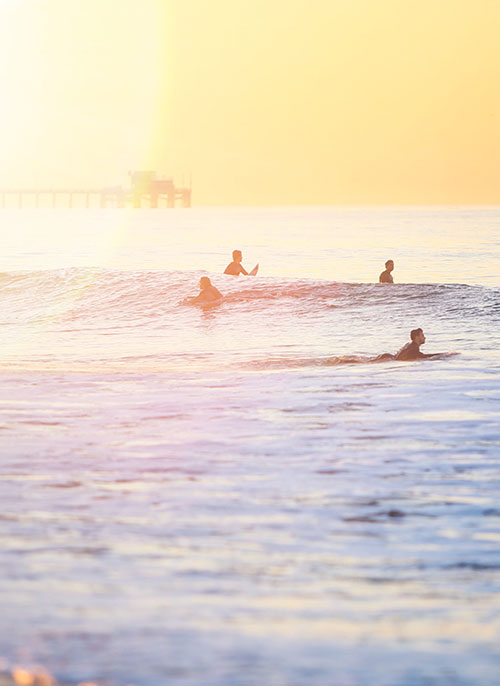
(410, 351)
(234, 268)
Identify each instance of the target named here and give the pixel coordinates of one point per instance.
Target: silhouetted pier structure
(145, 190)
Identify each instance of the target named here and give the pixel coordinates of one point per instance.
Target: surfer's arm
(189, 300)
(438, 355)
(243, 270)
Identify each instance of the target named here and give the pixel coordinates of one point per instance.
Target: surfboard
(254, 271)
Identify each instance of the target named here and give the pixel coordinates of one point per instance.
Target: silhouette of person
(208, 292)
(235, 268)
(411, 351)
(385, 276)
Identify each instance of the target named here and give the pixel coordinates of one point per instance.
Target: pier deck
(90, 197)
(145, 191)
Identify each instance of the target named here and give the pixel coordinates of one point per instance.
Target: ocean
(234, 495)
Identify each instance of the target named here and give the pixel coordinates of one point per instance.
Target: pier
(145, 190)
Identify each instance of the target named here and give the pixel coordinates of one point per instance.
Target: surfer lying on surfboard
(411, 351)
(208, 293)
(235, 268)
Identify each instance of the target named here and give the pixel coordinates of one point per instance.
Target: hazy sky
(262, 101)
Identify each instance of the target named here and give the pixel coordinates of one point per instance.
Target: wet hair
(389, 262)
(414, 333)
(236, 253)
(205, 281)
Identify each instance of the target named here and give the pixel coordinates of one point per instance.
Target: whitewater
(234, 495)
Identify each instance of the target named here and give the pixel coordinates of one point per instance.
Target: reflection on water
(204, 498)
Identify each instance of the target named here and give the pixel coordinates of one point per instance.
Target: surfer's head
(417, 336)
(205, 283)
(237, 256)
(389, 265)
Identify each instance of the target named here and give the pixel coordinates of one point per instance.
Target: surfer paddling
(386, 276)
(411, 351)
(208, 293)
(235, 268)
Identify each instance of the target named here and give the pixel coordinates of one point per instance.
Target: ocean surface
(234, 495)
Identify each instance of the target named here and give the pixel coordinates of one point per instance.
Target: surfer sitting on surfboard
(208, 293)
(235, 268)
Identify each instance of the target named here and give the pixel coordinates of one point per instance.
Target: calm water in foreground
(214, 497)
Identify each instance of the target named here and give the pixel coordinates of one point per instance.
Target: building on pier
(145, 190)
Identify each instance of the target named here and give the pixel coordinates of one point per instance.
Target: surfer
(386, 276)
(411, 351)
(235, 268)
(208, 293)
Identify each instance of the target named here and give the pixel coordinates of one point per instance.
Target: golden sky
(262, 101)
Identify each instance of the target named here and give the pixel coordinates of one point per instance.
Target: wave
(301, 362)
(333, 361)
(87, 293)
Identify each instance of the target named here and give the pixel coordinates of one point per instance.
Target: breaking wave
(89, 293)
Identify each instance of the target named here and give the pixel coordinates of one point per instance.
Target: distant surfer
(386, 276)
(208, 293)
(235, 268)
(411, 351)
